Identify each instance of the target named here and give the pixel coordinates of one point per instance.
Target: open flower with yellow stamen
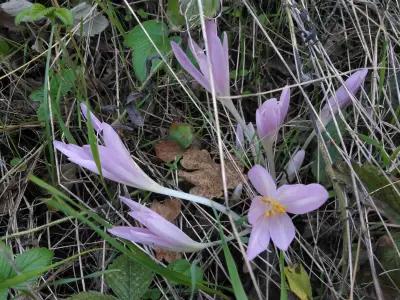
(268, 212)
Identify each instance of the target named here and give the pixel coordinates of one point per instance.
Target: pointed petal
(120, 156)
(268, 119)
(257, 210)
(284, 101)
(142, 236)
(301, 198)
(295, 163)
(342, 97)
(282, 231)
(72, 151)
(200, 57)
(158, 225)
(259, 239)
(219, 64)
(95, 122)
(262, 181)
(188, 66)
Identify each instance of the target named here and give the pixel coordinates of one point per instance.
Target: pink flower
(116, 162)
(158, 232)
(342, 97)
(219, 58)
(271, 114)
(268, 212)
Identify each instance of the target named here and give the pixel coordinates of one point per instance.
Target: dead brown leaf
(170, 210)
(167, 150)
(205, 174)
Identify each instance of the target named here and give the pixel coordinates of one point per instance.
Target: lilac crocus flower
(268, 212)
(270, 116)
(294, 164)
(158, 232)
(117, 164)
(219, 58)
(342, 96)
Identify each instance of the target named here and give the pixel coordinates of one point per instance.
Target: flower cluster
(269, 213)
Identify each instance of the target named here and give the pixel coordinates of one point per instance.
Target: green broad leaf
(145, 57)
(31, 14)
(64, 15)
(299, 281)
(60, 84)
(33, 259)
(384, 190)
(182, 134)
(3, 294)
(152, 294)
(6, 262)
(185, 267)
(175, 18)
(5, 48)
(131, 282)
(91, 296)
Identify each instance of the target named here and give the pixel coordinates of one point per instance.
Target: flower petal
(284, 101)
(259, 239)
(301, 198)
(71, 150)
(142, 236)
(218, 58)
(188, 66)
(295, 163)
(257, 210)
(97, 125)
(200, 57)
(342, 97)
(262, 181)
(121, 158)
(158, 225)
(282, 230)
(268, 119)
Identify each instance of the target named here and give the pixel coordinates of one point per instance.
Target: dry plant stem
(200, 200)
(308, 140)
(364, 230)
(342, 201)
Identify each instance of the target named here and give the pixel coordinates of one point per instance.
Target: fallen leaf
(206, 175)
(166, 255)
(168, 150)
(93, 22)
(299, 281)
(170, 210)
(14, 7)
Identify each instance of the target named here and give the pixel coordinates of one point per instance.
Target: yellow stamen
(274, 207)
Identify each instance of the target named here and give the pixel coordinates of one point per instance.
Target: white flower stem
(200, 200)
(269, 151)
(232, 109)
